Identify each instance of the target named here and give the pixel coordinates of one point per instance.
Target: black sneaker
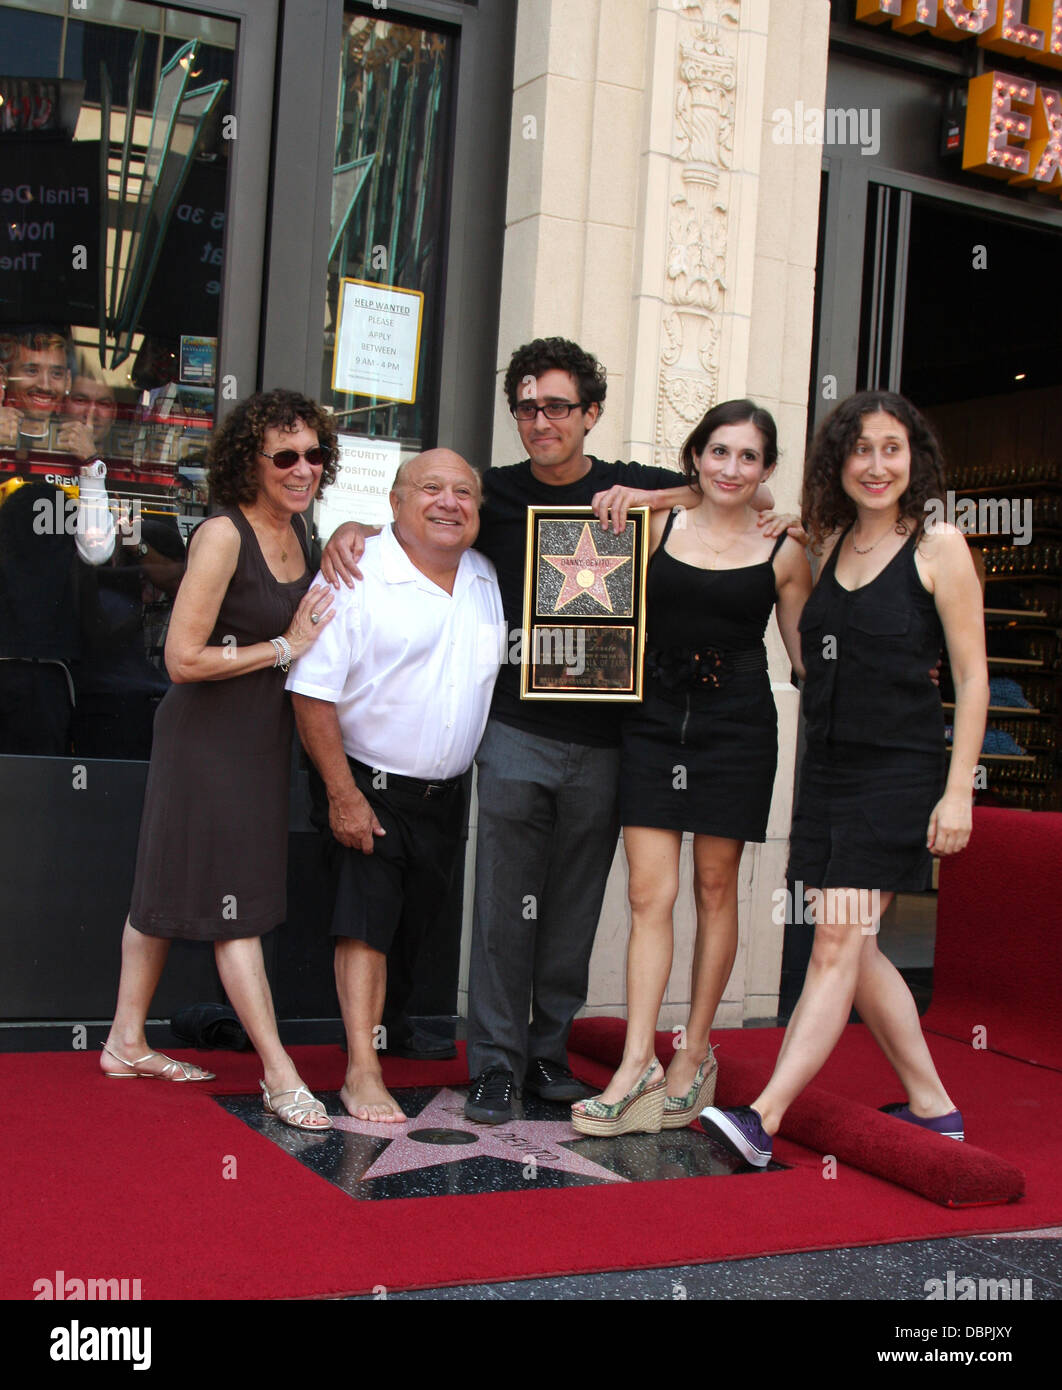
(490, 1098)
(551, 1081)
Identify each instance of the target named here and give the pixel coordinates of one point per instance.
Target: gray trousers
(548, 827)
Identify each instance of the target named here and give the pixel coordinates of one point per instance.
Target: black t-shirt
(507, 494)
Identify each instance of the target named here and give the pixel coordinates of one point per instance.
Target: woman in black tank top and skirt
(699, 754)
(873, 803)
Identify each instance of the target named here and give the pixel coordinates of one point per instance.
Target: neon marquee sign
(1013, 124)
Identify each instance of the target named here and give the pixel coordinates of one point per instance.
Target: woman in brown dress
(212, 858)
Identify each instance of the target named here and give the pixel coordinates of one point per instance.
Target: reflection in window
(388, 219)
(112, 234)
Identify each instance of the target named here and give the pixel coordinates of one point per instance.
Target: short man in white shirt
(391, 702)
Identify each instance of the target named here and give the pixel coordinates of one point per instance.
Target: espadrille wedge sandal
(641, 1111)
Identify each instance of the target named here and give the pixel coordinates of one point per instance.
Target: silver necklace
(869, 547)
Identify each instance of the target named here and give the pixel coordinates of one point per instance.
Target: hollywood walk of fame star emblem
(442, 1121)
(585, 572)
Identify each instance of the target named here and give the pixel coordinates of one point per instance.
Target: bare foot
(367, 1098)
(624, 1080)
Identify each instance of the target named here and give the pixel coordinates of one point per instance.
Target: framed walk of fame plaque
(584, 606)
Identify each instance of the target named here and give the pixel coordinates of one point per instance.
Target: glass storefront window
(113, 177)
(389, 213)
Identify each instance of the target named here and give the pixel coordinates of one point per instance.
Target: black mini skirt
(862, 817)
(702, 761)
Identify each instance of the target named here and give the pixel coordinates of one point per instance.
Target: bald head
(411, 473)
(435, 500)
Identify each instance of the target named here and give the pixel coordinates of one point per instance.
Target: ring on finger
(315, 618)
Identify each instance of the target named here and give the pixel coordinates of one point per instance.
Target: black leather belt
(427, 791)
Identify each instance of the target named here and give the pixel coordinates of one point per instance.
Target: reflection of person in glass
(91, 402)
(47, 534)
(873, 802)
(212, 858)
(117, 682)
(38, 379)
(713, 581)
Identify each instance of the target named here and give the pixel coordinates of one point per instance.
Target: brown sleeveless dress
(213, 852)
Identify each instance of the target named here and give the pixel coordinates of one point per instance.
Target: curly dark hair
(825, 505)
(557, 354)
(232, 459)
(729, 413)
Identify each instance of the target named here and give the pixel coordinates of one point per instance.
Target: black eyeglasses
(552, 410)
(288, 458)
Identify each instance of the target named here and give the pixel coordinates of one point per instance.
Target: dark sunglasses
(288, 458)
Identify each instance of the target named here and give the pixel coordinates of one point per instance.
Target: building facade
(775, 198)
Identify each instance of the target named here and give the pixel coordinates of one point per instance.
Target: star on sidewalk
(519, 1141)
(585, 572)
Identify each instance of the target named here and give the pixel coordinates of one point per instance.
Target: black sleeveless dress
(700, 752)
(212, 858)
(874, 764)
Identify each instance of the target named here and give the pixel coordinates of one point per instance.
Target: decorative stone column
(723, 307)
(651, 217)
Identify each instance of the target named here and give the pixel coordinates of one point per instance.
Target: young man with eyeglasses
(547, 771)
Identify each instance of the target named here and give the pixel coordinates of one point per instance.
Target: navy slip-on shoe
(949, 1125)
(740, 1131)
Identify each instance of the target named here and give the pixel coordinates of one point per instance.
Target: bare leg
(715, 863)
(653, 863)
(143, 958)
(242, 970)
(888, 1009)
(824, 1005)
(361, 982)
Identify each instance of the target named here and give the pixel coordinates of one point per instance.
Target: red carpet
(998, 960)
(955, 1175)
(155, 1181)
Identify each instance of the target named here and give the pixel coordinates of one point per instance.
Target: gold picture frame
(583, 634)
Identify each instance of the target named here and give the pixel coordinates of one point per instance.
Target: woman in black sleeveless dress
(873, 803)
(699, 754)
(211, 863)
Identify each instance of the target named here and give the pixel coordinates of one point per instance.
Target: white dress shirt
(409, 667)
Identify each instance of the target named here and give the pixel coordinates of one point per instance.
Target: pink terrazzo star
(517, 1142)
